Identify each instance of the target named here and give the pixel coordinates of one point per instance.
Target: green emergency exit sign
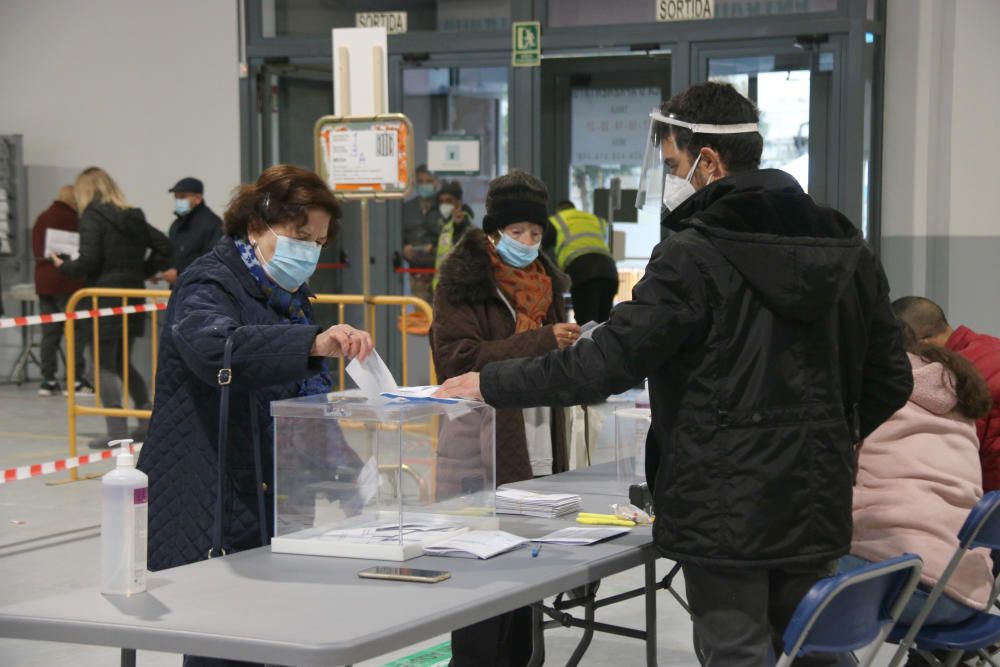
(527, 51)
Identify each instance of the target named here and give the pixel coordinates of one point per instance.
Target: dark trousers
(52, 337)
(593, 299)
(739, 614)
(111, 376)
(501, 641)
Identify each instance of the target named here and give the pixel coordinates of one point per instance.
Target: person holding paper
(497, 299)
(251, 291)
(114, 241)
(54, 290)
(763, 325)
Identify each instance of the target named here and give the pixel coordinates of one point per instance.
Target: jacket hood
(466, 275)
(797, 256)
(125, 220)
(933, 386)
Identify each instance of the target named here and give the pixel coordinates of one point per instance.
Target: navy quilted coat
(215, 297)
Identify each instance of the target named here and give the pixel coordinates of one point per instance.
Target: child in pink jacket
(918, 478)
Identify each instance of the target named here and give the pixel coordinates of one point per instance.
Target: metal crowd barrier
(74, 409)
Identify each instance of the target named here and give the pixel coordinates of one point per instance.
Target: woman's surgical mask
(515, 253)
(294, 261)
(676, 190)
(182, 206)
(446, 210)
(425, 190)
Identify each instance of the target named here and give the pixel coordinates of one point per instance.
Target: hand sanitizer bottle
(124, 515)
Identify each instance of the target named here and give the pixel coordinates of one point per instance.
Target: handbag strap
(225, 378)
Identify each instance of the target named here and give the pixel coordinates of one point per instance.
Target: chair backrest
(982, 526)
(847, 611)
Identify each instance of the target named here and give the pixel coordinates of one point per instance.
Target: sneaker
(83, 388)
(99, 443)
(49, 388)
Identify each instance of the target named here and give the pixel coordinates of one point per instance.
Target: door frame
(826, 118)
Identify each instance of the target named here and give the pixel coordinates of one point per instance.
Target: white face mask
(676, 190)
(446, 210)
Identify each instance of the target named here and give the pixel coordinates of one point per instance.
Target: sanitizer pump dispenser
(124, 518)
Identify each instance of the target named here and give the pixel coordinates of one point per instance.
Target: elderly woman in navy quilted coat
(250, 288)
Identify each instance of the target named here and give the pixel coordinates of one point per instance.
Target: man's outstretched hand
(463, 386)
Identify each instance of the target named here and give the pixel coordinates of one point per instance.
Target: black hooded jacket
(118, 248)
(764, 328)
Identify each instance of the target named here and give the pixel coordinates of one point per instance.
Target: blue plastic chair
(981, 529)
(845, 612)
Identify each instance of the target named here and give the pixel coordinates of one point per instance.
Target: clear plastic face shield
(657, 182)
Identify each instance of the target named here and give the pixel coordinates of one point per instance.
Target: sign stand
(368, 156)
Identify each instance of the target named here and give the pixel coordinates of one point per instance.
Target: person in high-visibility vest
(579, 243)
(457, 217)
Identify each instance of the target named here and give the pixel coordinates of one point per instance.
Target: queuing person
(918, 479)
(928, 321)
(114, 240)
(763, 325)
(499, 299)
(54, 291)
(195, 230)
(458, 218)
(422, 222)
(579, 242)
(249, 289)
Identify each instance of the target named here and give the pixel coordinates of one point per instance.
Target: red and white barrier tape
(26, 472)
(32, 320)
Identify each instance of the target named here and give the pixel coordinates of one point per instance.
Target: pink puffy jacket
(919, 476)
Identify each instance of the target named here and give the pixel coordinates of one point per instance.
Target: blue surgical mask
(293, 262)
(182, 206)
(515, 253)
(425, 190)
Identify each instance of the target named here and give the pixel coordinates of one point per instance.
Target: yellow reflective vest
(579, 233)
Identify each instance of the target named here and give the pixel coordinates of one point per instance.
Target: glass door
(796, 89)
(595, 113)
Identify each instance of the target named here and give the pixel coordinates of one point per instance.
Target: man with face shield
(763, 326)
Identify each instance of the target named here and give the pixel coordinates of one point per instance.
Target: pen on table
(535, 550)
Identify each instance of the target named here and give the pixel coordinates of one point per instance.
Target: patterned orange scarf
(530, 287)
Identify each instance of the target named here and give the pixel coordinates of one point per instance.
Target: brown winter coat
(473, 325)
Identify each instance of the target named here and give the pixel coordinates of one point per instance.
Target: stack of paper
(476, 544)
(529, 503)
(581, 536)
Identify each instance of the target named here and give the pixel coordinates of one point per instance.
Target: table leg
(537, 636)
(588, 633)
(651, 589)
(128, 657)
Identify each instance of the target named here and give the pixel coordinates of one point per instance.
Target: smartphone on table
(404, 574)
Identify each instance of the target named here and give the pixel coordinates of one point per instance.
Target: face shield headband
(654, 174)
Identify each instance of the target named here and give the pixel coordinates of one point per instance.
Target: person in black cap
(195, 231)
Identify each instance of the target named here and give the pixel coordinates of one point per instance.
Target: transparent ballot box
(631, 428)
(380, 478)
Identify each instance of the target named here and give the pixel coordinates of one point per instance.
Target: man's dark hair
(714, 104)
(565, 205)
(923, 315)
(422, 169)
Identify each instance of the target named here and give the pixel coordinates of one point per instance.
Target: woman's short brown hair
(283, 193)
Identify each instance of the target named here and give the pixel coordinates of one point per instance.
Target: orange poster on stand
(366, 157)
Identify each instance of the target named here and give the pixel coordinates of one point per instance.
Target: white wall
(940, 216)
(145, 89)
